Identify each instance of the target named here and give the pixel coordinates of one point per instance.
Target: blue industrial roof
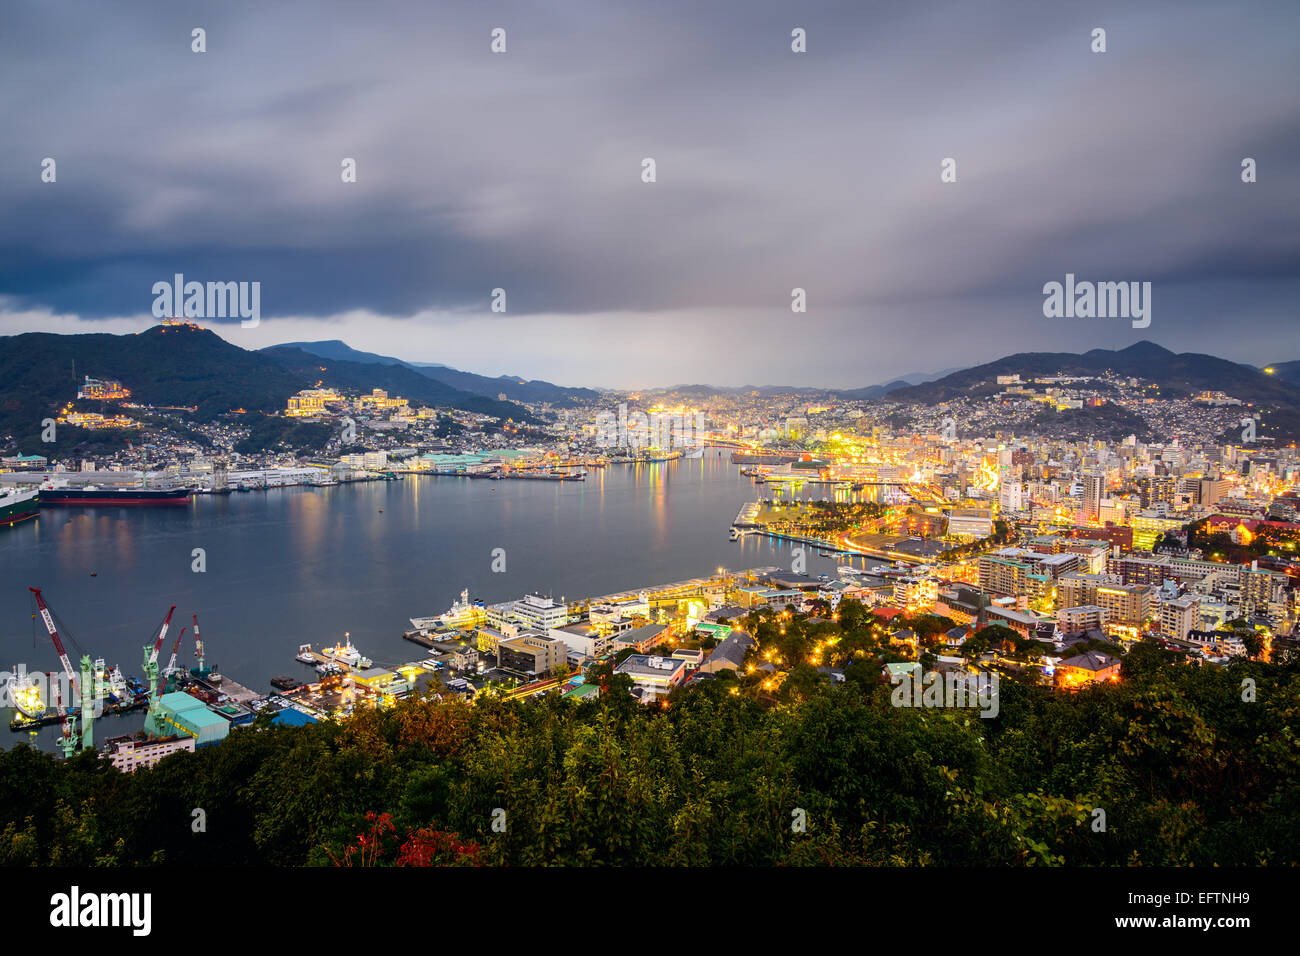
(178, 702)
(293, 718)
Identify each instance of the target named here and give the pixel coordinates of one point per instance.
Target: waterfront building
(532, 655)
(641, 639)
(540, 613)
(179, 713)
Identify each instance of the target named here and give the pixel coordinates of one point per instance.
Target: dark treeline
(1185, 770)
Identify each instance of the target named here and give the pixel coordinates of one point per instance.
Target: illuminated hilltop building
(379, 400)
(93, 388)
(311, 402)
(96, 421)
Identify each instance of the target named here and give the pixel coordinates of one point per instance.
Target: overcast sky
(775, 170)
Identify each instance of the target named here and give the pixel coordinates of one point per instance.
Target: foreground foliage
(1186, 772)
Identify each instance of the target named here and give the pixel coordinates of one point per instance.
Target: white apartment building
(1180, 616)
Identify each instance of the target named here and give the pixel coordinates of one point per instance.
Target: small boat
(305, 655)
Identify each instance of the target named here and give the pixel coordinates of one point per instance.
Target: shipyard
(520, 648)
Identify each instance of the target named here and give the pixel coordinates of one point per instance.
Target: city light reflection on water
(296, 565)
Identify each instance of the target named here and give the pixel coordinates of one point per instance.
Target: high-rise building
(1127, 604)
(1156, 488)
(1094, 486)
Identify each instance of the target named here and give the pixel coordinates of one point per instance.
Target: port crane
(81, 688)
(48, 620)
(162, 634)
(199, 671)
(151, 657)
(171, 675)
(171, 664)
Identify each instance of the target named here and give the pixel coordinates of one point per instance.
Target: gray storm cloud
(775, 170)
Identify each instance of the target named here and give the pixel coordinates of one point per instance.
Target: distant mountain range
(1177, 375)
(860, 394)
(514, 388)
(184, 365)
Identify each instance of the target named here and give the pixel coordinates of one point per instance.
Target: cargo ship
(60, 494)
(16, 506)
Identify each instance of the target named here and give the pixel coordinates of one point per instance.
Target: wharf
(510, 475)
(662, 592)
(829, 547)
(415, 637)
(745, 517)
(752, 458)
(532, 476)
(28, 723)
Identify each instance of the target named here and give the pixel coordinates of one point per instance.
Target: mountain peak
(1144, 349)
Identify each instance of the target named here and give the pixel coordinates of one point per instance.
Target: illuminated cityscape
(743, 436)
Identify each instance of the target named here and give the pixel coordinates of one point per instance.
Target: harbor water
(303, 565)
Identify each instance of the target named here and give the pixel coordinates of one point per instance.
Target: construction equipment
(68, 742)
(82, 688)
(201, 670)
(171, 664)
(48, 619)
(89, 696)
(172, 675)
(162, 633)
(151, 658)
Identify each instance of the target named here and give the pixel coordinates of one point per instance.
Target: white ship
(345, 653)
(463, 613)
(111, 681)
(305, 656)
(23, 692)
